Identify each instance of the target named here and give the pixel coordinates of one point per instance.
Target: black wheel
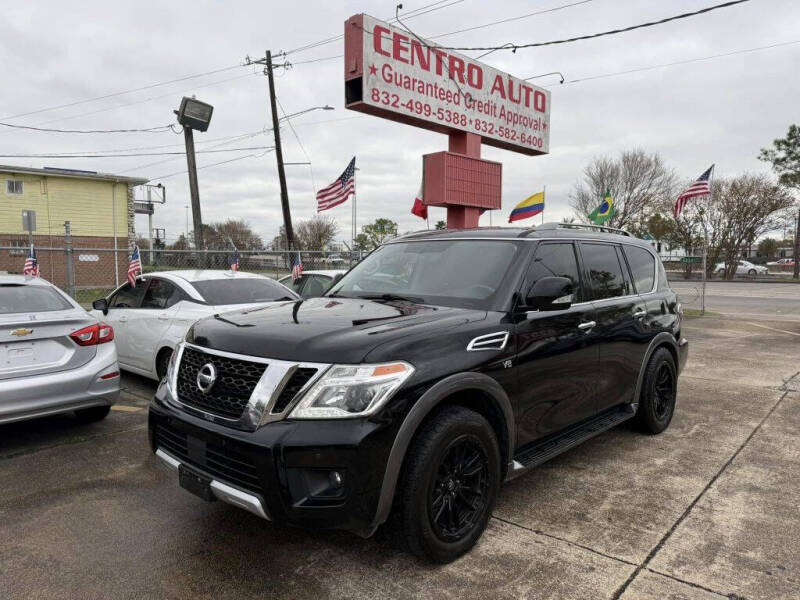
(659, 392)
(449, 484)
(162, 362)
(752, 272)
(92, 414)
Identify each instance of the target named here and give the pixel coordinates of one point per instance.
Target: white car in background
(149, 320)
(743, 267)
(312, 284)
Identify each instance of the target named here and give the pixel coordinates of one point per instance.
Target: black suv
(443, 364)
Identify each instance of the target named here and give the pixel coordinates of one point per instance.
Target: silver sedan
(54, 356)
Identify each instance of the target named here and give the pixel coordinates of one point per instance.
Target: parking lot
(706, 510)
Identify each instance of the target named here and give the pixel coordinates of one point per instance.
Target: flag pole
(353, 224)
(544, 200)
(705, 245)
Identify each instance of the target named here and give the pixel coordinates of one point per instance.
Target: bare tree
(219, 236)
(312, 234)
(640, 184)
(738, 211)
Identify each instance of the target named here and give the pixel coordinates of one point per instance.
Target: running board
(539, 452)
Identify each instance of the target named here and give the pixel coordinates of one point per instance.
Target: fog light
(336, 479)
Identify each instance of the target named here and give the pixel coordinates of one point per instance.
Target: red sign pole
(464, 217)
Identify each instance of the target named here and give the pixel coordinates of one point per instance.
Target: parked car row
(55, 357)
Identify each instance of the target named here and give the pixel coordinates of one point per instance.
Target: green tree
(785, 158)
(440, 225)
(768, 247)
(375, 234)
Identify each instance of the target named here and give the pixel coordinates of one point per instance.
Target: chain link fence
(90, 273)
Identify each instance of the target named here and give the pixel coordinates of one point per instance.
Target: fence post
(68, 259)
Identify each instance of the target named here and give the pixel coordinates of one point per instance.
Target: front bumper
(36, 396)
(284, 471)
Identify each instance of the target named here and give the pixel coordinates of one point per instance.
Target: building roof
(72, 174)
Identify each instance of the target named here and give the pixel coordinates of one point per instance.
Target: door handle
(639, 314)
(123, 319)
(587, 325)
(163, 317)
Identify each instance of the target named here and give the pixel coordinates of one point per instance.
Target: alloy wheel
(459, 492)
(663, 391)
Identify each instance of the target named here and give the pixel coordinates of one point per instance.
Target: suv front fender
(438, 393)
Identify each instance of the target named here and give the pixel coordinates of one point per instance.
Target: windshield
(30, 299)
(461, 273)
(242, 291)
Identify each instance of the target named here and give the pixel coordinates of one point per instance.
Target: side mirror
(101, 304)
(550, 293)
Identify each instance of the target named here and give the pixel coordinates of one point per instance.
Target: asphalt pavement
(706, 510)
(743, 299)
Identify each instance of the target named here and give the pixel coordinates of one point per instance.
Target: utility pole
(287, 215)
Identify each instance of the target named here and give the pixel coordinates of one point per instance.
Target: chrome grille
(230, 394)
(296, 382)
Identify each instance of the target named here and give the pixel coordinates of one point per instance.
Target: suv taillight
(93, 335)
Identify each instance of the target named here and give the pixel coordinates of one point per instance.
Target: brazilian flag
(604, 212)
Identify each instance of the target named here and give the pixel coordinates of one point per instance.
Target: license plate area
(196, 483)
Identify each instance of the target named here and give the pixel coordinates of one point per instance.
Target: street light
(194, 114)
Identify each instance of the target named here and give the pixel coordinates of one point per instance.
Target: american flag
(339, 191)
(135, 266)
(297, 267)
(235, 261)
(31, 264)
(701, 187)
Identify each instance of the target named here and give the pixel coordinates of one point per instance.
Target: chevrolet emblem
(22, 332)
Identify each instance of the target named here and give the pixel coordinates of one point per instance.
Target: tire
(162, 362)
(455, 457)
(752, 272)
(93, 414)
(659, 393)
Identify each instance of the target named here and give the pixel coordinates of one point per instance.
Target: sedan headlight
(347, 391)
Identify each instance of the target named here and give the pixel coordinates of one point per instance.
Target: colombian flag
(531, 206)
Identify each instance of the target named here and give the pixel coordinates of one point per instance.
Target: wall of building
(94, 208)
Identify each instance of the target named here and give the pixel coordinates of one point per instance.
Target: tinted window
(30, 299)
(128, 297)
(605, 272)
(292, 285)
(643, 268)
(464, 273)
(316, 285)
(554, 260)
(161, 294)
(242, 291)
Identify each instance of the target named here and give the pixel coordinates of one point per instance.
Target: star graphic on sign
(373, 70)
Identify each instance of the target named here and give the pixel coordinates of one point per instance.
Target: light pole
(194, 114)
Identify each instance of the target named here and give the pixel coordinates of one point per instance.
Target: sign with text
(392, 74)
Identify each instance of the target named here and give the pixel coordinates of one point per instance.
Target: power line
(514, 47)
(129, 155)
(114, 94)
(224, 162)
(159, 129)
(680, 62)
(423, 10)
(299, 143)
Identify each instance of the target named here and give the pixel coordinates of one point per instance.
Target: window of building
(14, 186)
(18, 248)
(605, 272)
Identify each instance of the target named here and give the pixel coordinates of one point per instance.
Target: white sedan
(152, 318)
(743, 267)
(312, 284)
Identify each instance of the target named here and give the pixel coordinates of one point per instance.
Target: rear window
(30, 299)
(242, 291)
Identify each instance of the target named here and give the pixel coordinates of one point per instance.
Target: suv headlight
(347, 391)
(172, 372)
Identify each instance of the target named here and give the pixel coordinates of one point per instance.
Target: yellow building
(98, 206)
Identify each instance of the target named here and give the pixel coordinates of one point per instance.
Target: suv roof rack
(556, 225)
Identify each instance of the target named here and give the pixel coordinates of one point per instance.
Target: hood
(326, 330)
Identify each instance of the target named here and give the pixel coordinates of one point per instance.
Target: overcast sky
(716, 111)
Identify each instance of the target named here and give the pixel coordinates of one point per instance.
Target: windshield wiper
(390, 297)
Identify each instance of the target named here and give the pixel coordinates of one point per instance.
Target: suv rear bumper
(285, 471)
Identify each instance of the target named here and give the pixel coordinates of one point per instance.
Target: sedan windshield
(242, 291)
(462, 273)
(30, 299)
